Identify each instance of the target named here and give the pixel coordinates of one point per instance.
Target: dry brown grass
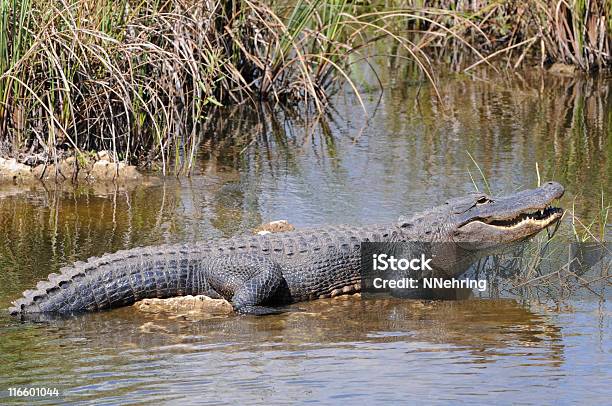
(576, 32)
(138, 78)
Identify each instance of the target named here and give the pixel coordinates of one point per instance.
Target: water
(413, 154)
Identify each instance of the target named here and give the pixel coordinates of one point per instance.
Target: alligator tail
(115, 280)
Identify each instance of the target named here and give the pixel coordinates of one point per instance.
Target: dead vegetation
(139, 78)
(555, 267)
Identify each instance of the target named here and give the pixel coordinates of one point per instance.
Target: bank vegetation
(139, 78)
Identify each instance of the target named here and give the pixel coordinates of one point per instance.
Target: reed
(574, 32)
(138, 78)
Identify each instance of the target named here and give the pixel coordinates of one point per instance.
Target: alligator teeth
(541, 217)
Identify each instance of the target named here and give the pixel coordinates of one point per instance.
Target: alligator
(259, 273)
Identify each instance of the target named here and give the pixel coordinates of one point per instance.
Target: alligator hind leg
(249, 282)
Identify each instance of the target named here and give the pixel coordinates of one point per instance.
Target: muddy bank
(276, 226)
(95, 167)
(185, 305)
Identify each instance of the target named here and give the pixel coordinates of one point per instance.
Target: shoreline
(91, 168)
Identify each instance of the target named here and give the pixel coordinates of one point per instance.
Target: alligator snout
(555, 188)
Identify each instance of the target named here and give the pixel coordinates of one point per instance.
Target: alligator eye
(482, 200)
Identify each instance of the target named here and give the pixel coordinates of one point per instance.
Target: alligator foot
(257, 282)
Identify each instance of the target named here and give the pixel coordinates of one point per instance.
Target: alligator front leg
(249, 282)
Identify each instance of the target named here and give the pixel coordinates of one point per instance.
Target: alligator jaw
(535, 219)
(510, 218)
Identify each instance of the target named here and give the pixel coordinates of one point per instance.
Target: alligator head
(479, 223)
(480, 218)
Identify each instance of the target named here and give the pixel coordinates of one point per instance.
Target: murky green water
(413, 154)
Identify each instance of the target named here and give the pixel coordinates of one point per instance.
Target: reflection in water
(258, 166)
(415, 147)
(106, 354)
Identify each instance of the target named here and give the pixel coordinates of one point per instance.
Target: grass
(575, 32)
(595, 229)
(553, 266)
(139, 78)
